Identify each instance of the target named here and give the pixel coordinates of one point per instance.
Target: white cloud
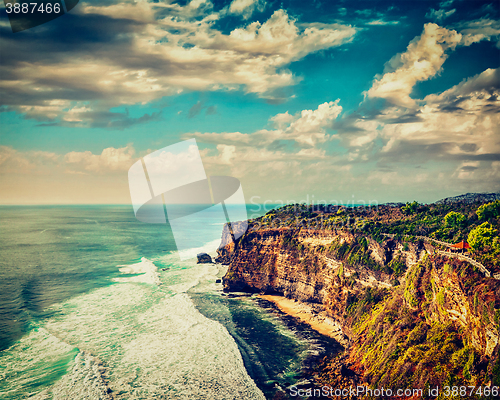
(445, 4)
(306, 129)
(466, 170)
(246, 8)
(382, 22)
(439, 15)
(111, 159)
(453, 134)
(156, 50)
(284, 152)
(478, 30)
(422, 60)
(31, 162)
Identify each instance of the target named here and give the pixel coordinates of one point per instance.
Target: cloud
(199, 106)
(372, 17)
(454, 134)
(211, 110)
(444, 141)
(422, 60)
(245, 8)
(84, 116)
(288, 148)
(445, 4)
(39, 177)
(439, 15)
(478, 30)
(31, 162)
(365, 12)
(300, 131)
(381, 22)
(487, 82)
(110, 160)
(136, 52)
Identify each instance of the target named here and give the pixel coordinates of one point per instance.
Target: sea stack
(204, 258)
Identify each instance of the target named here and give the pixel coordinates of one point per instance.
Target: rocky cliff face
(229, 239)
(396, 303)
(297, 263)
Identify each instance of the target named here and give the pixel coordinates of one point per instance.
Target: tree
(489, 210)
(454, 219)
(410, 208)
(483, 236)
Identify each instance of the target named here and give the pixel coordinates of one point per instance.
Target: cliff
(408, 316)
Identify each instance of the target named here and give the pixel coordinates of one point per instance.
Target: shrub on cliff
(484, 236)
(401, 345)
(454, 220)
(354, 253)
(489, 210)
(485, 243)
(410, 208)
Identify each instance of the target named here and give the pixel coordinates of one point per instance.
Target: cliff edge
(408, 313)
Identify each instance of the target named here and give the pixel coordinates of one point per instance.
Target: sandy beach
(318, 321)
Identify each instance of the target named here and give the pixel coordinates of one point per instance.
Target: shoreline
(318, 321)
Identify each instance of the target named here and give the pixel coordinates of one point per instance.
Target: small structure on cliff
(460, 246)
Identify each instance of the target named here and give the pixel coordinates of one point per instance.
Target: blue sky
(384, 101)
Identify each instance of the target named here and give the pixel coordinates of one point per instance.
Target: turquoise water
(97, 305)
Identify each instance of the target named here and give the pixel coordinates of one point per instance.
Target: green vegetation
(450, 223)
(354, 253)
(358, 305)
(397, 266)
(485, 243)
(484, 236)
(489, 210)
(454, 220)
(410, 208)
(398, 344)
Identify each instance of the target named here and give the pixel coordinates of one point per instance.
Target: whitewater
(141, 338)
(95, 305)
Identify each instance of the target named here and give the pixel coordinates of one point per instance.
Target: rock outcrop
(228, 242)
(204, 258)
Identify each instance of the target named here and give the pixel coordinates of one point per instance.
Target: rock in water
(204, 258)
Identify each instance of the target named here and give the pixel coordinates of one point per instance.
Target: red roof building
(461, 245)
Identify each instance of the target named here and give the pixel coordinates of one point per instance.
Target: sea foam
(152, 342)
(209, 247)
(84, 381)
(147, 270)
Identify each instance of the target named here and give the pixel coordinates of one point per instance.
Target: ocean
(97, 305)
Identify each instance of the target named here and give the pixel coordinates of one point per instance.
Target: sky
(317, 101)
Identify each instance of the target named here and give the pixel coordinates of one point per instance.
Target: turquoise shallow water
(87, 312)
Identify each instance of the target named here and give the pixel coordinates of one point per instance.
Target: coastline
(307, 314)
